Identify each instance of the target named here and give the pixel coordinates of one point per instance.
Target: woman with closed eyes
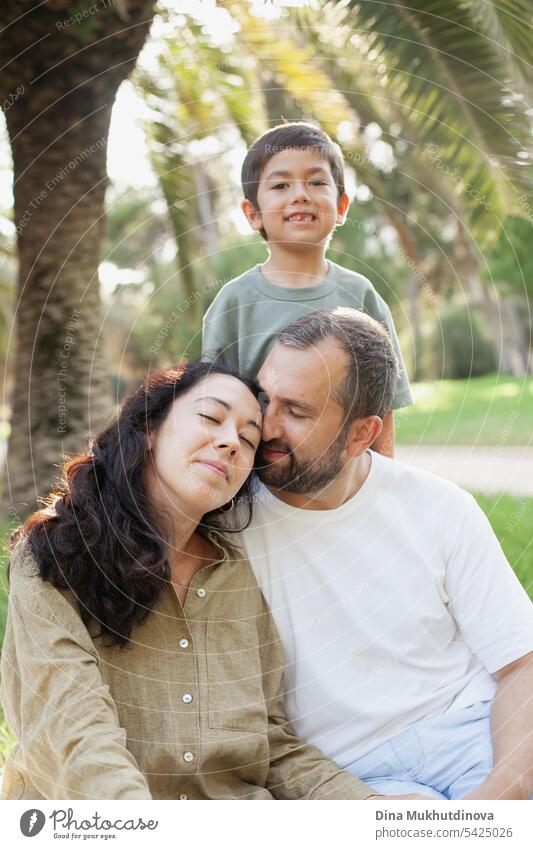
(140, 660)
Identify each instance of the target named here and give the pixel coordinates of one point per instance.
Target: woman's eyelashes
(246, 441)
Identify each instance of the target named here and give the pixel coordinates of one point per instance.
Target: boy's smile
(297, 199)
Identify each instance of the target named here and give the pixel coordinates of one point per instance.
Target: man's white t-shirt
(392, 608)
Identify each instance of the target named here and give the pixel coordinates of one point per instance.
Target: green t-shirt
(248, 313)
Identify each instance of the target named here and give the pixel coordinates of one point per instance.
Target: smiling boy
(294, 196)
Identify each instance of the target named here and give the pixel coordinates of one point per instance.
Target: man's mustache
(273, 445)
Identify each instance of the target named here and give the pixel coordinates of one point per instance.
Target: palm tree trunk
(58, 129)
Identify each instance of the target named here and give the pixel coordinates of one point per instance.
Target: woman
(139, 659)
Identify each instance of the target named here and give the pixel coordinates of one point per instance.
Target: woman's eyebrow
(227, 407)
(218, 400)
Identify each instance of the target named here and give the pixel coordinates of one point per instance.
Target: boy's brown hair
(294, 135)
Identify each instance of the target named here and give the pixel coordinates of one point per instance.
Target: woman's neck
(187, 559)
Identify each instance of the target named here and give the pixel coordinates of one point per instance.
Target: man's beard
(302, 476)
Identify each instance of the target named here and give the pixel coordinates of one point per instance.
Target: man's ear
(253, 215)
(362, 434)
(343, 205)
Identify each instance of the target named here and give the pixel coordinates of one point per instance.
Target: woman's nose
(228, 439)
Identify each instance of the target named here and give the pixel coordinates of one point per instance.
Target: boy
(294, 196)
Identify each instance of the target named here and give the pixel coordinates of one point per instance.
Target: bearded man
(409, 639)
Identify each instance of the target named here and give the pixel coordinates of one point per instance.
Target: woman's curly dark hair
(96, 533)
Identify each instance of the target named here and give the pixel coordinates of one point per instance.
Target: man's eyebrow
(292, 402)
(227, 407)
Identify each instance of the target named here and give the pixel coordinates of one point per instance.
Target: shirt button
(187, 698)
(183, 796)
(200, 592)
(188, 756)
(184, 644)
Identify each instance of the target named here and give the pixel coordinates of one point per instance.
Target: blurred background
(123, 132)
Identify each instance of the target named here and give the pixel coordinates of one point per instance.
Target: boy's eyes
(312, 182)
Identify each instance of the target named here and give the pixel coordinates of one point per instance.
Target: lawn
(511, 518)
(491, 410)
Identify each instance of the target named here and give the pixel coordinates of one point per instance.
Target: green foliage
(492, 410)
(365, 244)
(510, 262)
(459, 346)
(456, 94)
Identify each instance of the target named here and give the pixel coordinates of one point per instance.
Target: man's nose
(272, 428)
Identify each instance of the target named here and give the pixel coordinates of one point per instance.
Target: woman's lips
(214, 468)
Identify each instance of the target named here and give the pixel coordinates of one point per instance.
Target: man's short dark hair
(296, 135)
(370, 381)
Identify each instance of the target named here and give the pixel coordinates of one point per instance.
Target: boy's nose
(300, 192)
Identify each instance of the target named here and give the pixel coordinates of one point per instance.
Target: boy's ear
(343, 205)
(253, 216)
(362, 434)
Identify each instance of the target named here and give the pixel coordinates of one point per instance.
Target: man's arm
(512, 734)
(384, 444)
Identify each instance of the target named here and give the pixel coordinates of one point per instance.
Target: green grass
(511, 518)
(490, 410)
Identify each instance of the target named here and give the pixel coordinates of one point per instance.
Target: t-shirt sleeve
(376, 307)
(59, 708)
(492, 610)
(220, 329)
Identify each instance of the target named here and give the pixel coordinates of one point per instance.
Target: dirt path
(485, 469)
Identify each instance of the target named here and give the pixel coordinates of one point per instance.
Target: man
(409, 640)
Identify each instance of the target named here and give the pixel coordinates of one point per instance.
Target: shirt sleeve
(376, 307)
(57, 704)
(297, 769)
(220, 329)
(492, 610)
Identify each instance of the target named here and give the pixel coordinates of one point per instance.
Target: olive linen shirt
(190, 709)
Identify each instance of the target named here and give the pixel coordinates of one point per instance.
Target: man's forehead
(302, 373)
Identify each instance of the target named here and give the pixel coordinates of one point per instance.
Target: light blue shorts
(445, 756)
